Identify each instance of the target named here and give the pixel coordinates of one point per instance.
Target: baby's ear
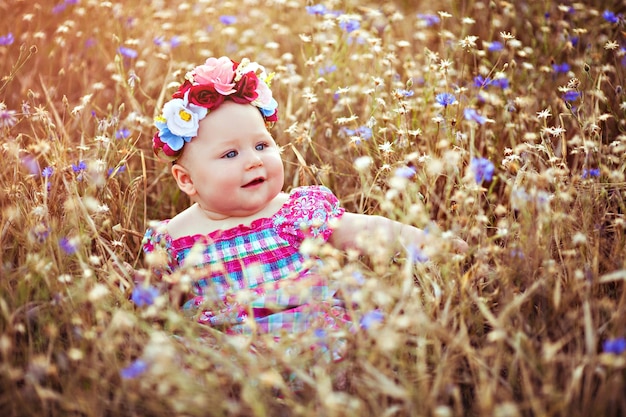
(183, 179)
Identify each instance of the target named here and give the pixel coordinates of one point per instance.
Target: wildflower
(228, 20)
(610, 16)
(482, 168)
(135, 369)
(543, 114)
(495, 46)
(7, 39)
(144, 295)
(68, 245)
(349, 25)
(482, 82)
(416, 255)
(316, 9)
(114, 171)
(174, 41)
(405, 172)
(429, 19)
(47, 172)
(362, 163)
(385, 147)
(472, 114)
(371, 318)
(614, 346)
(501, 82)
(591, 173)
(58, 8)
(561, 68)
(123, 133)
(127, 52)
(7, 117)
(571, 95)
(445, 99)
(80, 167)
(31, 164)
(328, 69)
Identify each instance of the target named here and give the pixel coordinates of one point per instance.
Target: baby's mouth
(254, 182)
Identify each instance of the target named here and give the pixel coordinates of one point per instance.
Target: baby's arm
(355, 231)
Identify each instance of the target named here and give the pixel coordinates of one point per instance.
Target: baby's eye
(230, 154)
(260, 146)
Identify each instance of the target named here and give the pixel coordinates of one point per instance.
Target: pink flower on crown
(216, 71)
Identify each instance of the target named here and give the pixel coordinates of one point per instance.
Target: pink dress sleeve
(308, 213)
(157, 241)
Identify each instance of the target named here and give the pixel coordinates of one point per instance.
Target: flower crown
(205, 88)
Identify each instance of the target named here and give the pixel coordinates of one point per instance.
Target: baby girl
(242, 235)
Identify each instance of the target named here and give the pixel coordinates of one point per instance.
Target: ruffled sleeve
(157, 248)
(309, 212)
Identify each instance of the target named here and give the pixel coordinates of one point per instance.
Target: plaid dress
(254, 278)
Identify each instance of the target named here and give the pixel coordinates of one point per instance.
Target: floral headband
(205, 88)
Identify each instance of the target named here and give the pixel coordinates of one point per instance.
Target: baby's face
(234, 163)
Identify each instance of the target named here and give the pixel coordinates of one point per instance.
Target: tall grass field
(501, 122)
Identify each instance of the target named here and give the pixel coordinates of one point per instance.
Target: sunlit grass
(400, 110)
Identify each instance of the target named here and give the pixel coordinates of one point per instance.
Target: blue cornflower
(472, 114)
(574, 40)
(481, 82)
(31, 164)
(67, 246)
(316, 9)
(350, 25)
(328, 69)
(127, 52)
(405, 172)
(371, 318)
(501, 82)
(7, 39)
(561, 68)
(144, 295)
(363, 132)
(115, 171)
(614, 346)
(122, 133)
(228, 19)
(591, 173)
(495, 46)
(135, 369)
(445, 99)
(78, 168)
(610, 17)
(571, 95)
(174, 41)
(405, 93)
(430, 19)
(482, 168)
(47, 172)
(416, 255)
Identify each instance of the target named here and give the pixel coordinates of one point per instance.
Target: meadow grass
(500, 122)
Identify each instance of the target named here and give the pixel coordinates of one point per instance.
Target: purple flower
(589, 173)
(371, 318)
(316, 9)
(174, 41)
(135, 369)
(472, 114)
(416, 255)
(80, 167)
(228, 19)
(122, 133)
(59, 8)
(405, 93)
(31, 164)
(328, 69)
(614, 346)
(114, 171)
(127, 52)
(571, 95)
(350, 25)
(47, 172)
(481, 82)
(495, 46)
(7, 39)
(482, 168)
(430, 19)
(67, 246)
(561, 68)
(405, 172)
(445, 99)
(501, 82)
(610, 16)
(144, 295)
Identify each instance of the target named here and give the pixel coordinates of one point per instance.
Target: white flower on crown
(182, 117)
